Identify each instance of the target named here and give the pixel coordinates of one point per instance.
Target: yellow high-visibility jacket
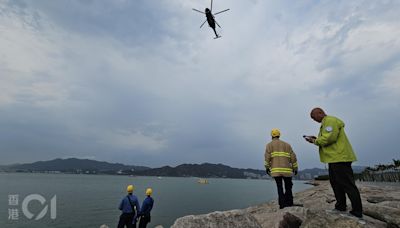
(280, 158)
(334, 146)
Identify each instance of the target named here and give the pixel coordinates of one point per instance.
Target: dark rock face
(315, 213)
(290, 221)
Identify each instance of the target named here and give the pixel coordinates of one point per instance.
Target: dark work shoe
(340, 209)
(357, 214)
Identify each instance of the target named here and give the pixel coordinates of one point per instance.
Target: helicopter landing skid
(217, 37)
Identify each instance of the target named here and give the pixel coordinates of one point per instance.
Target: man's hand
(268, 171)
(295, 172)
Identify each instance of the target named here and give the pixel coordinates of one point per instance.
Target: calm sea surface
(92, 200)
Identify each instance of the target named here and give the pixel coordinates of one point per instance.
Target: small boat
(202, 181)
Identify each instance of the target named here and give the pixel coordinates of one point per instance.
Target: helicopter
(211, 18)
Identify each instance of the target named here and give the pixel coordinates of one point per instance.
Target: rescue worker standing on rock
(147, 206)
(281, 163)
(129, 206)
(335, 149)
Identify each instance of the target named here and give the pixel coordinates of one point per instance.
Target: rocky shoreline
(381, 209)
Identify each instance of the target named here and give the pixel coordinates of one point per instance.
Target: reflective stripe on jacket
(280, 158)
(333, 143)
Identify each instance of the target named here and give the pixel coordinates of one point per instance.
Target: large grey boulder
(228, 219)
(390, 215)
(314, 212)
(275, 218)
(332, 220)
(393, 204)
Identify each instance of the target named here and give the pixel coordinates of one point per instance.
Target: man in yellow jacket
(281, 163)
(335, 149)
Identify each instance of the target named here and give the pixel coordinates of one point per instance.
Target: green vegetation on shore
(382, 173)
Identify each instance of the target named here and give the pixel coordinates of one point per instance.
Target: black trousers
(126, 219)
(144, 220)
(285, 197)
(342, 181)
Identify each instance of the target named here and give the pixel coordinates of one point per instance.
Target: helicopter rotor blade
(211, 5)
(198, 11)
(217, 23)
(221, 11)
(203, 23)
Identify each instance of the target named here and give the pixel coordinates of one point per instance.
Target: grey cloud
(141, 70)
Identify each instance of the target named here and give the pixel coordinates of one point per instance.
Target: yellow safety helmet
(130, 188)
(275, 132)
(149, 191)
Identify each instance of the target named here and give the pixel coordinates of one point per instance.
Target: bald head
(317, 114)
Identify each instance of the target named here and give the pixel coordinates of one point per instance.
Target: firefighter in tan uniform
(281, 163)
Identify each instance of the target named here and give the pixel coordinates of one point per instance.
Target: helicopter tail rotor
(211, 6)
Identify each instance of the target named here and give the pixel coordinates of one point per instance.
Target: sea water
(72, 200)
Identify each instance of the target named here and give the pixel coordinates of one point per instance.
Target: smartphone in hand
(309, 138)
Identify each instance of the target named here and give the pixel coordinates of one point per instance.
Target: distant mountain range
(73, 165)
(205, 170)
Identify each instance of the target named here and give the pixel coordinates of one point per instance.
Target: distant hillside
(74, 165)
(206, 170)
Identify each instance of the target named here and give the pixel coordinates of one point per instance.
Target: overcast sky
(138, 82)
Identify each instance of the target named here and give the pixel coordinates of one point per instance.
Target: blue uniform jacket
(147, 205)
(125, 206)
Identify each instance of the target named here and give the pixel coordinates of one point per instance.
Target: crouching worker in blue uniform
(147, 205)
(129, 206)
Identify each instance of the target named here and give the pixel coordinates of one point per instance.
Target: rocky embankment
(381, 209)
